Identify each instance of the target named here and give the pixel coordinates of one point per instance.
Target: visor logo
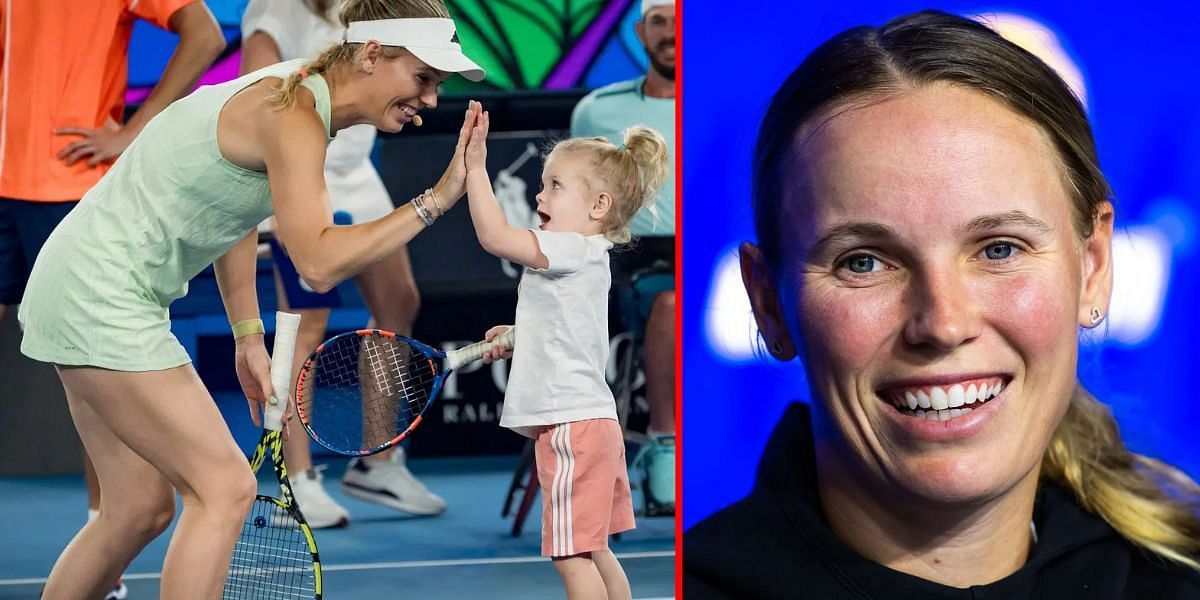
(454, 38)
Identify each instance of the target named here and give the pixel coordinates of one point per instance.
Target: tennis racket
(362, 392)
(276, 556)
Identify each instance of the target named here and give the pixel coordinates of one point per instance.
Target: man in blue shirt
(648, 100)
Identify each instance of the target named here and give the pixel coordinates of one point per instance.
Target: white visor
(649, 5)
(434, 41)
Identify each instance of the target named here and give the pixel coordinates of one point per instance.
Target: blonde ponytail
(285, 96)
(1151, 504)
(631, 173)
(345, 54)
(649, 152)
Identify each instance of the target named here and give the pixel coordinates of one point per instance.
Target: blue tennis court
(467, 552)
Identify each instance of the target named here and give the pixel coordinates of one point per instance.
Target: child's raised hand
(453, 183)
(497, 352)
(476, 155)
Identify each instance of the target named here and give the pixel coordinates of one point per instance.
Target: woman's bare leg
(168, 420)
(93, 482)
(390, 292)
(139, 507)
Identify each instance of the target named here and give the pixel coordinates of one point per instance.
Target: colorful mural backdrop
(523, 44)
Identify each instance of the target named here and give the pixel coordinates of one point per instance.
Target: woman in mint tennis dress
(187, 193)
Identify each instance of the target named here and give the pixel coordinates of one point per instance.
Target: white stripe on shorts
(556, 534)
(562, 529)
(570, 483)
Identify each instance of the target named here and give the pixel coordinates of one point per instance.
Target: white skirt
(359, 192)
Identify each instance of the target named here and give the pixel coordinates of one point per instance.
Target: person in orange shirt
(62, 87)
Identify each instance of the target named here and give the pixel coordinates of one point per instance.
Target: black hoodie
(776, 544)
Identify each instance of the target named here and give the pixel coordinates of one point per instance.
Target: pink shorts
(585, 487)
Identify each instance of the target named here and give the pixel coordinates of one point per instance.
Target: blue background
(1139, 61)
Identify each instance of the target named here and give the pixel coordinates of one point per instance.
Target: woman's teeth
(941, 415)
(940, 403)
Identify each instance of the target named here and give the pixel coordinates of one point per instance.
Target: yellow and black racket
(276, 556)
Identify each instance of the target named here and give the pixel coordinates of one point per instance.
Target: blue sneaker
(656, 461)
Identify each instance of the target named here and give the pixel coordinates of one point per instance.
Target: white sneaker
(119, 592)
(319, 509)
(390, 484)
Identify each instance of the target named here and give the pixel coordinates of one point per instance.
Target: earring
(1096, 316)
(776, 347)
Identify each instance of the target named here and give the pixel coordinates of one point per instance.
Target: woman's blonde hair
(631, 173)
(342, 53)
(1151, 504)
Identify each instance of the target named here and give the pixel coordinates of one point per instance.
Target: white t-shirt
(561, 348)
(354, 185)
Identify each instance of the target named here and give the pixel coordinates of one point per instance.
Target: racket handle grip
(474, 352)
(286, 326)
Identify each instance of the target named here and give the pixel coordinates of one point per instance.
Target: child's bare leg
(581, 577)
(615, 581)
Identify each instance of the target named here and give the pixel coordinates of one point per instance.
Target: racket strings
(364, 390)
(272, 557)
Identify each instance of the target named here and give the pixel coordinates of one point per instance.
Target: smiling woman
(933, 231)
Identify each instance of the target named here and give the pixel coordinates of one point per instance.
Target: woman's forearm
(236, 274)
(342, 252)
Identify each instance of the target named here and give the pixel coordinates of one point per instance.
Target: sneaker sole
(118, 593)
(280, 519)
(388, 500)
(338, 524)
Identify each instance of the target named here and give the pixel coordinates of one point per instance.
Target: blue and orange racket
(362, 392)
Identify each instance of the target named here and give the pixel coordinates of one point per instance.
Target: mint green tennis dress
(171, 205)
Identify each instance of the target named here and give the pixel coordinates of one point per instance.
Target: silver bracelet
(430, 193)
(422, 212)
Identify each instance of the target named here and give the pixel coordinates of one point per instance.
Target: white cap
(648, 5)
(434, 41)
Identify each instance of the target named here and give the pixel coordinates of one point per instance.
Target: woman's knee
(231, 488)
(243, 487)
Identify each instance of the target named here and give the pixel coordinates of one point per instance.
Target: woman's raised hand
(476, 155)
(453, 183)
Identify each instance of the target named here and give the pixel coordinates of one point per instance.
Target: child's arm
(495, 234)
